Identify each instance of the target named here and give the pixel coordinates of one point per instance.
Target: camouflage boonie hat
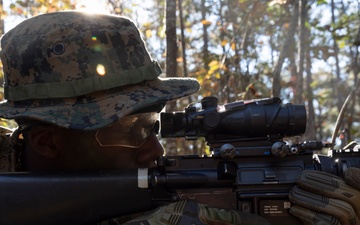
(81, 71)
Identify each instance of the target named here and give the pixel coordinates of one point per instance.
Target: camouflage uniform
(86, 71)
(79, 71)
(8, 155)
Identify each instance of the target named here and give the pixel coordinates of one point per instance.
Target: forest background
(303, 51)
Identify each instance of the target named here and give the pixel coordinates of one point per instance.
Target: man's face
(129, 143)
(82, 151)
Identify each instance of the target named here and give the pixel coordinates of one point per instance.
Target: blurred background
(303, 51)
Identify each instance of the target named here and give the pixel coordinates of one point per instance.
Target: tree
(285, 50)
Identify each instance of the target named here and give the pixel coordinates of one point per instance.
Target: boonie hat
(81, 71)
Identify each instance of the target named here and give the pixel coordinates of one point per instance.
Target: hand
(321, 198)
(190, 212)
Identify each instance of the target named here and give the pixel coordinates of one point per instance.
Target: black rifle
(251, 170)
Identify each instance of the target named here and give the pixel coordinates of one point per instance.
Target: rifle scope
(262, 118)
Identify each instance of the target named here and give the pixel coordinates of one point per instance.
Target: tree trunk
(310, 133)
(170, 144)
(171, 45)
(195, 149)
(301, 51)
(206, 59)
(337, 82)
(285, 51)
(2, 29)
(355, 67)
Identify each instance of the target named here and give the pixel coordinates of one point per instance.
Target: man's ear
(43, 141)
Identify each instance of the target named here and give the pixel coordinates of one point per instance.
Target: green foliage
(321, 2)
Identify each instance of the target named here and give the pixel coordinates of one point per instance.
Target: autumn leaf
(206, 22)
(148, 33)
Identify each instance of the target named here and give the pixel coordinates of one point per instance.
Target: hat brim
(96, 110)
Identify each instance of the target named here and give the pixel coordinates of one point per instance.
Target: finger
(352, 177)
(339, 209)
(311, 217)
(328, 185)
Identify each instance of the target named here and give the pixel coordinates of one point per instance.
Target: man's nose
(150, 151)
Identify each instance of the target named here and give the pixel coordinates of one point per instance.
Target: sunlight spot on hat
(100, 69)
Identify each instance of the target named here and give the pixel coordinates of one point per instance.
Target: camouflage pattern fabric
(9, 154)
(322, 198)
(81, 71)
(190, 212)
(7, 162)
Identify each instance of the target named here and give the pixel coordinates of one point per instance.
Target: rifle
(251, 169)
